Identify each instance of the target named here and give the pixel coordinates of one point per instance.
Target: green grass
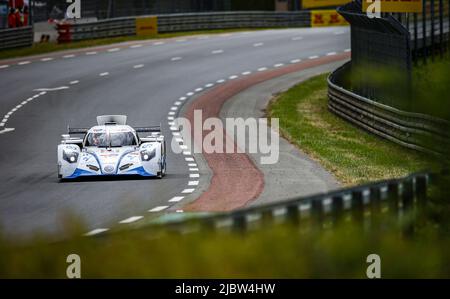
(351, 154)
(273, 252)
(43, 48)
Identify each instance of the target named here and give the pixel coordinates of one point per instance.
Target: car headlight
(147, 155)
(70, 156)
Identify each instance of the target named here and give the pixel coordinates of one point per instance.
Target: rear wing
(154, 129)
(77, 131)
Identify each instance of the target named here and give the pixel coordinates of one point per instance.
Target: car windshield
(111, 140)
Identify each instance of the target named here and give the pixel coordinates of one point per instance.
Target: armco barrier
(363, 204)
(184, 22)
(412, 130)
(16, 37)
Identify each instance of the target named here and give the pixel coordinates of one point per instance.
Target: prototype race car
(112, 148)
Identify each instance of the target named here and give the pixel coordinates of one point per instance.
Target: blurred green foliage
(273, 252)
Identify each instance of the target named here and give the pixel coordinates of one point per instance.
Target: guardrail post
(407, 196)
(407, 203)
(357, 206)
(293, 214)
(393, 198)
(421, 192)
(337, 209)
(375, 206)
(239, 223)
(317, 213)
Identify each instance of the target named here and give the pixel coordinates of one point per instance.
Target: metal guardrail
(361, 204)
(226, 20)
(16, 37)
(412, 130)
(184, 22)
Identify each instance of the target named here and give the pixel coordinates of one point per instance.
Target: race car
(112, 148)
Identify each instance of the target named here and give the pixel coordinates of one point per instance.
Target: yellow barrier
(322, 18)
(147, 26)
(395, 5)
(322, 3)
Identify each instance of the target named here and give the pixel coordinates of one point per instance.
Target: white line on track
(246, 73)
(297, 38)
(189, 159)
(199, 89)
(24, 62)
(217, 52)
(158, 209)
(262, 69)
(131, 219)
(233, 77)
(190, 94)
(177, 199)
(278, 65)
(313, 57)
(258, 44)
(176, 58)
(296, 60)
(220, 81)
(4, 66)
(331, 53)
(158, 43)
(96, 232)
(7, 130)
(192, 164)
(135, 46)
(182, 98)
(74, 82)
(170, 118)
(173, 108)
(193, 183)
(52, 89)
(193, 169)
(179, 211)
(176, 133)
(46, 59)
(186, 153)
(138, 66)
(194, 175)
(69, 56)
(91, 53)
(186, 191)
(347, 50)
(177, 103)
(209, 85)
(104, 74)
(171, 113)
(113, 50)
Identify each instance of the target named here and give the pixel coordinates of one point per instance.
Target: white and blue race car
(112, 148)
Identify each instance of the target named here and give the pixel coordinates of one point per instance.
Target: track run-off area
(149, 81)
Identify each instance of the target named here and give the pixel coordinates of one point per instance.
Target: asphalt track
(142, 80)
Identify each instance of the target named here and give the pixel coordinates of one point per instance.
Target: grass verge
(45, 48)
(352, 155)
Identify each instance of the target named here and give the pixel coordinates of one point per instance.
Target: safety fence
(183, 22)
(412, 130)
(16, 37)
(362, 204)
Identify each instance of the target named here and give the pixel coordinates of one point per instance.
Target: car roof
(111, 129)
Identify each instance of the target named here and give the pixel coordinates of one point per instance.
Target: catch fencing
(183, 22)
(16, 37)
